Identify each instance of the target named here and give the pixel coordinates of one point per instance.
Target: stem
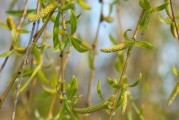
(173, 19)
(36, 37)
(126, 62)
(52, 106)
(92, 72)
(62, 59)
(19, 26)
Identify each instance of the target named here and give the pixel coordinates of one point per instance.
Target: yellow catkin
(124, 94)
(44, 12)
(10, 23)
(121, 46)
(91, 109)
(174, 93)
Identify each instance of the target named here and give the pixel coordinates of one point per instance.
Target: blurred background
(150, 95)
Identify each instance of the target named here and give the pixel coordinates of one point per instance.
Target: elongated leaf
(99, 90)
(145, 21)
(143, 44)
(144, 4)
(113, 83)
(126, 36)
(137, 81)
(175, 71)
(159, 8)
(73, 87)
(42, 76)
(73, 22)
(90, 59)
(19, 13)
(55, 34)
(174, 93)
(80, 46)
(112, 39)
(164, 20)
(3, 25)
(83, 5)
(6, 54)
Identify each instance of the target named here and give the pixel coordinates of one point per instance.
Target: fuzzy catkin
(174, 93)
(10, 23)
(121, 46)
(91, 108)
(43, 12)
(124, 94)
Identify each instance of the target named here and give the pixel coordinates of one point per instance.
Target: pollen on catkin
(173, 94)
(121, 46)
(43, 12)
(168, 9)
(91, 109)
(123, 96)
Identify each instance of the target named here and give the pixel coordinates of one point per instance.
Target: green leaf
(73, 87)
(42, 76)
(42, 96)
(144, 4)
(80, 46)
(22, 31)
(90, 60)
(99, 90)
(159, 8)
(69, 110)
(164, 20)
(55, 34)
(67, 6)
(126, 36)
(175, 71)
(6, 54)
(119, 62)
(137, 81)
(3, 25)
(145, 21)
(174, 93)
(112, 39)
(143, 44)
(113, 83)
(73, 22)
(83, 4)
(19, 13)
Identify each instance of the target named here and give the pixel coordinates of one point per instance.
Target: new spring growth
(124, 94)
(174, 93)
(10, 23)
(173, 30)
(44, 12)
(168, 9)
(121, 46)
(91, 109)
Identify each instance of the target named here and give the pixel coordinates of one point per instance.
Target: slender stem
(173, 19)
(36, 37)
(52, 106)
(92, 72)
(62, 57)
(126, 62)
(18, 27)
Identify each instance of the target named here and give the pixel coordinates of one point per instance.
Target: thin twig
(18, 27)
(173, 19)
(92, 72)
(126, 61)
(36, 37)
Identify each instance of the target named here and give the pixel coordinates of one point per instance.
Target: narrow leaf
(159, 8)
(137, 81)
(55, 34)
(143, 44)
(6, 54)
(175, 71)
(83, 5)
(73, 22)
(73, 87)
(174, 93)
(80, 46)
(112, 39)
(99, 90)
